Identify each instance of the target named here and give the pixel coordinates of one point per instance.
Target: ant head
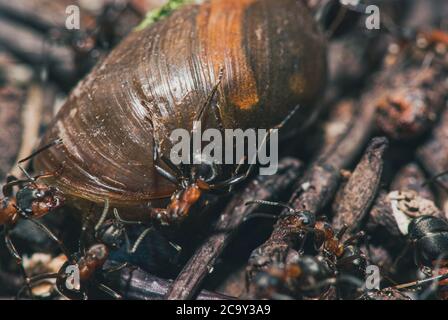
(96, 256)
(38, 199)
(111, 234)
(308, 218)
(204, 171)
(325, 229)
(270, 282)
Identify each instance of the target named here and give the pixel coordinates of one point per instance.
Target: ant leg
(52, 236)
(139, 240)
(11, 181)
(176, 247)
(13, 251)
(103, 215)
(341, 232)
(354, 238)
(227, 183)
(35, 280)
(122, 221)
(165, 174)
(10, 246)
(109, 291)
(210, 97)
(82, 236)
(117, 268)
(156, 157)
(240, 177)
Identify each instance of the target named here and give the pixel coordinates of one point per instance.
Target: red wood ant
(79, 274)
(340, 261)
(84, 269)
(32, 201)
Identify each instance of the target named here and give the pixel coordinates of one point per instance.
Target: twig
(432, 155)
(11, 283)
(262, 188)
(34, 48)
(139, 285)
(411, 177)
(31, 115)
(42, 15)
(11, 100)
(361, 189)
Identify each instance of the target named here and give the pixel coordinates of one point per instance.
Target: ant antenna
(35, 153)
(260, 215)
(47, 146)
(121, 220)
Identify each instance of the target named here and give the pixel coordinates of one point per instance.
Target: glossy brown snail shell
(273, 57)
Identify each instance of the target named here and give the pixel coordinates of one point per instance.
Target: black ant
(32, 201)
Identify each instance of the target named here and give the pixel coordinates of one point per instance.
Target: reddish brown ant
(343, 261)
(194, 180)
(329, 242)
(32, 201)
(86, 266)
(79, 274)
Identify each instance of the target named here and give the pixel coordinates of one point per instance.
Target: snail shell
(272, 55)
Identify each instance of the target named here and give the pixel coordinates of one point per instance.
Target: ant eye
(305, 220)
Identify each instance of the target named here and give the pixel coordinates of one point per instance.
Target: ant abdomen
(430, 237)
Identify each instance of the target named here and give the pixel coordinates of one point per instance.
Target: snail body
(272, 58)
